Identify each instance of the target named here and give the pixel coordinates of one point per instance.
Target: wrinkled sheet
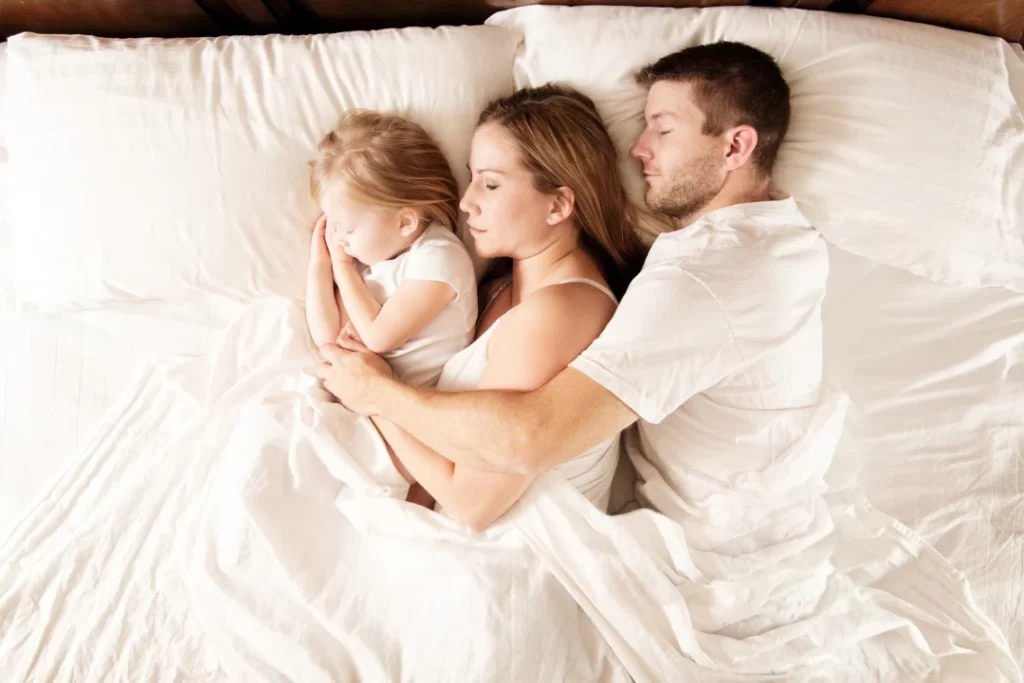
(227, 521)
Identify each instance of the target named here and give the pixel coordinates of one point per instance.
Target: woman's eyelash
(491, 187)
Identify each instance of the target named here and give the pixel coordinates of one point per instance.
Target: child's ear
(408, 222)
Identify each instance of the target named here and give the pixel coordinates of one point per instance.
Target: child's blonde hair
(385, 160)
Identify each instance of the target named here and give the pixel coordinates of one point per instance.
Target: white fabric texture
(590, 472)
(253, 525)
(935, 375)
(717, 342)
(225, 502)
(438, 256)
(60, 375)
(906, 143)
(166, 167)
(719, 350)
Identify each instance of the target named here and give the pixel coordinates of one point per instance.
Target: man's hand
(352, 374)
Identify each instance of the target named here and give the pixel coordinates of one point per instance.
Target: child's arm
(409, 310)
(323, 314)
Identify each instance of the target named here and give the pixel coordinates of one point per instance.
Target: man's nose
(640, 150)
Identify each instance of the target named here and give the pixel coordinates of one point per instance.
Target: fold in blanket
(228, 521)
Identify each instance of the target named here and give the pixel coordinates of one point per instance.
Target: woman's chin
(483, 250)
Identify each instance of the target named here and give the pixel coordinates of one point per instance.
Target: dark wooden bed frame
(174, 18)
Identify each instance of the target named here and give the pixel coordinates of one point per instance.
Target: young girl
(405, 283)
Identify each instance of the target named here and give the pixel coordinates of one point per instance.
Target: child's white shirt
(437, 255)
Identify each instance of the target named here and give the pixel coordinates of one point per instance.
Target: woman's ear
(408, 222)
(562, 204)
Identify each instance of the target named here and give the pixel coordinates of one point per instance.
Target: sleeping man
(715, 351)
(716, 347)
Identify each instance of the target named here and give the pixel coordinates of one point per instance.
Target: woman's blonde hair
(385, 160)
(563, 143)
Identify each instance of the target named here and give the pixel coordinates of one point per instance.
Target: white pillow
(161, 168)
(906, 145)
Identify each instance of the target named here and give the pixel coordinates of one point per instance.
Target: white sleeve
(668, 340)
(442, 260)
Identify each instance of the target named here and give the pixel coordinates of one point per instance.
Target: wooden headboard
(130, 18)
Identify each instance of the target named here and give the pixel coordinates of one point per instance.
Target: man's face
(684, 168)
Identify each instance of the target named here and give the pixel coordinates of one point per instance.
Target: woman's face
(508, 216)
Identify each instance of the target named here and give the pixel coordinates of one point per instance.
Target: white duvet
(228, 522)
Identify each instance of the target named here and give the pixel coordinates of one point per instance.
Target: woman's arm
(535, 342)
(323, 313)
(384, 328)
(472, 497)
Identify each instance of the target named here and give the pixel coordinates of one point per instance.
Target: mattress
(934, 372)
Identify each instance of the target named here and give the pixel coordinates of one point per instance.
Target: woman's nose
(466, 204)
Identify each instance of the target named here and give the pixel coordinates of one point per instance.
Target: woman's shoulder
(540, 336)
(572, 312)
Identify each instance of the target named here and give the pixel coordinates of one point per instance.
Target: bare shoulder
(561, 320)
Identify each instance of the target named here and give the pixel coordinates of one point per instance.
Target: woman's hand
(319, 253)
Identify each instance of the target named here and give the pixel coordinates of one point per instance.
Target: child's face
(369, 234)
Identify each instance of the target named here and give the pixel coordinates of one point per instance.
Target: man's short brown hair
(733, 84)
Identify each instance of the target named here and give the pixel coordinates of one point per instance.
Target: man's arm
(504, 431)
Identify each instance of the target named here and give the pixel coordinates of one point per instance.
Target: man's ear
(562, 203)
(742, 141)
(409, 221)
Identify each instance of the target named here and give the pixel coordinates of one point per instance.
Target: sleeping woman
(546, 200)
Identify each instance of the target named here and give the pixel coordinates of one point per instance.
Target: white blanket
(229, 522)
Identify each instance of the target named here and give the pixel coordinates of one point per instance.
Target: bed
(930, 349)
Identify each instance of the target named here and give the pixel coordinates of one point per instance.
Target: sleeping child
(386, 265)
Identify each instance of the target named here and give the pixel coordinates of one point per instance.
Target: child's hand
(318, 250)
(350, 332)
(338, 253)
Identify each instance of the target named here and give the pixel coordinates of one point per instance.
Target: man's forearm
(486, 430)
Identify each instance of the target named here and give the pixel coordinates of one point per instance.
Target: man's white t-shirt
(717, 344)
(437, 255)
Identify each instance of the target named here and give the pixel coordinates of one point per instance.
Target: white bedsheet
(243, 556)
(910, 352)
(936, 377)
(59, 375)
(233, 500)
